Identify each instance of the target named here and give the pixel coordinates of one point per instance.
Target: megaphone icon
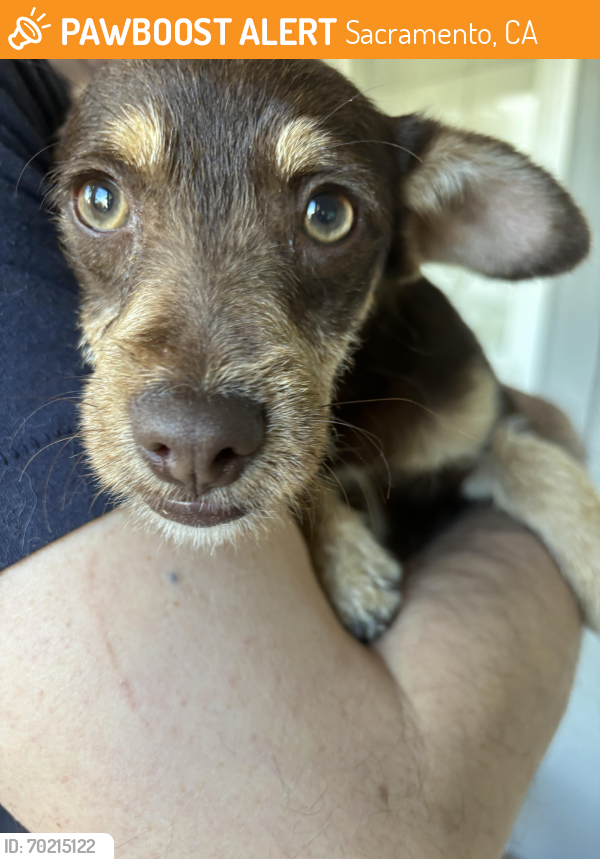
(26, 32)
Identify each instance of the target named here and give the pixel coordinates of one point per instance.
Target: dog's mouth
(199, 513)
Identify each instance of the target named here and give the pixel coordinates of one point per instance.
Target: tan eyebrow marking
(138, 136)
(301, 146)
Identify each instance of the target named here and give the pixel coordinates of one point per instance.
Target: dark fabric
(45, 489)
(8, 823)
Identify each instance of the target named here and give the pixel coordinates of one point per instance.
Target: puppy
(248, 238)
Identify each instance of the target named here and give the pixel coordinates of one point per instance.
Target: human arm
(226, 713)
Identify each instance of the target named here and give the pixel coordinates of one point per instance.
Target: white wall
(561, 815)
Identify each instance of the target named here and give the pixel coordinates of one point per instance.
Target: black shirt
(45, 486)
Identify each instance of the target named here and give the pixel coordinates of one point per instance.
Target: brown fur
(214, 288)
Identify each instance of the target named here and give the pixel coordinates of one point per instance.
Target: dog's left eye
(102, 206)
(329, 217)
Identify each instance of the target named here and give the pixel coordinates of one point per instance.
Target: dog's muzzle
(197, 443)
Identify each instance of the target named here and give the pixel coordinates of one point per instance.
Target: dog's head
(229, 223)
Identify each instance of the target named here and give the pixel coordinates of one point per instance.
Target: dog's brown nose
(198, 442)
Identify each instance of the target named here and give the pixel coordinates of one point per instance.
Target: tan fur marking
(547, 421)
(301, 147)
(138, 137)
(547, 489)
(456, 434)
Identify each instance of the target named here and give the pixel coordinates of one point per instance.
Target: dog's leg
(359, 576)
(545, 487)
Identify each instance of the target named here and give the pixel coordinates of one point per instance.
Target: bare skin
(211, 705)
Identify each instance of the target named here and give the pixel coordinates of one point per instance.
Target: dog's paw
(362, 581)
(368, 607)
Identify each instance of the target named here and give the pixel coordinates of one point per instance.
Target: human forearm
(485, 650)
(227, 710)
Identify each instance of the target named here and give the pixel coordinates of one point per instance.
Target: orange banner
(230, 28)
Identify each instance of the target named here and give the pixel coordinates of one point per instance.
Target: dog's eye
(329, 217)
(102, 206)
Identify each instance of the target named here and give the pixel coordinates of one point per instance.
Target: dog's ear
(477, 202)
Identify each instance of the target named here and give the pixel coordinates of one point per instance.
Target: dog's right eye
(329, 217)
(102, 206)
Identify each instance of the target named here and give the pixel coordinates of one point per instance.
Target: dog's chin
(216, 526)
(201, 513)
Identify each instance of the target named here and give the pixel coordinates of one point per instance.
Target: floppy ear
(477, 202)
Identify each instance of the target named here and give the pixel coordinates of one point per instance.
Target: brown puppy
(247, 236)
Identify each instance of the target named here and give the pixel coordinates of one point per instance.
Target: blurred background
(540, 336)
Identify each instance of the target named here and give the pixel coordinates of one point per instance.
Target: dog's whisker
(339, 107)
(366, 497)
(434, 414)
(77, 458)
(338, 421)
(33, 157)
(382, 142)
(45, 447)
(96, 497)
(349, 101)
(375, 441)
(67, 396)
(338, 482)
(369, 469)
(50, 470)
(49, 402)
